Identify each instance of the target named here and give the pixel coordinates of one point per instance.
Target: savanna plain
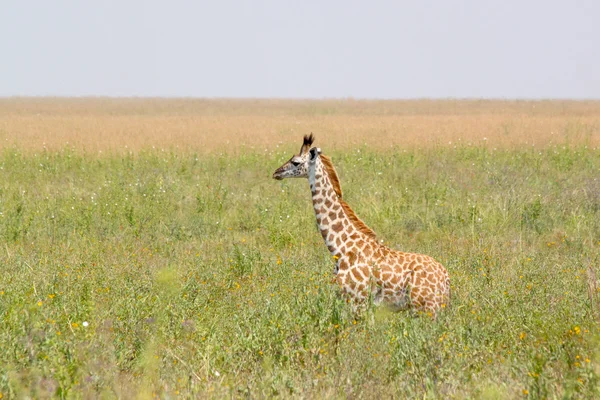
(146, 252)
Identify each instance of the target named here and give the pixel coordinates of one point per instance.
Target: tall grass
(235, 126)
(162, 273)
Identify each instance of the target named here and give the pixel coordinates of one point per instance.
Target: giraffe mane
(335, 182)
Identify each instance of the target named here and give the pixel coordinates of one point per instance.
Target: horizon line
(291, 99)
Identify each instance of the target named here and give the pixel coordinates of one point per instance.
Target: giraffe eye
(295, 163)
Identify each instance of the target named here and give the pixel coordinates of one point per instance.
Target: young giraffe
(364, 266)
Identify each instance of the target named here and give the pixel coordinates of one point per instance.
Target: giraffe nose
(278, 173)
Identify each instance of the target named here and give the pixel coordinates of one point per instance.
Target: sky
(301, 49)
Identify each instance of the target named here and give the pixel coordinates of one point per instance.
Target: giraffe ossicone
(365, 267)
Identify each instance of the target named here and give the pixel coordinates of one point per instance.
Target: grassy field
(234, 126)
(184, 270)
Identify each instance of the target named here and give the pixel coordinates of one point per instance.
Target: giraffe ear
(308, 141)
(314, 152)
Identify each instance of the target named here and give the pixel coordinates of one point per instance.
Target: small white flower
(85, 324)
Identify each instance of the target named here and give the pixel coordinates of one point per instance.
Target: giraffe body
(364, 266)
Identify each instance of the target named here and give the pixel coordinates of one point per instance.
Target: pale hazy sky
(361, 49)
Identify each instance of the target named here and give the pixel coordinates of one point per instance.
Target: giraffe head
(297, 166)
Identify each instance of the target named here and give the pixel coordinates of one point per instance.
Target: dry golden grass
(203, 125)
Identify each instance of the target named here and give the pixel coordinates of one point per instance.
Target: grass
(235, 126)
(173, 273)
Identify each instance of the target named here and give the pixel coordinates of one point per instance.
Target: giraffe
(364, 267)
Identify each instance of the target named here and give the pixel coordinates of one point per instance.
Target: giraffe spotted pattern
(364, 266)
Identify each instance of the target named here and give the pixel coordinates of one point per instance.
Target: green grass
(201, 276)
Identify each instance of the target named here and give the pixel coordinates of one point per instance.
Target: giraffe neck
(338, 231)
